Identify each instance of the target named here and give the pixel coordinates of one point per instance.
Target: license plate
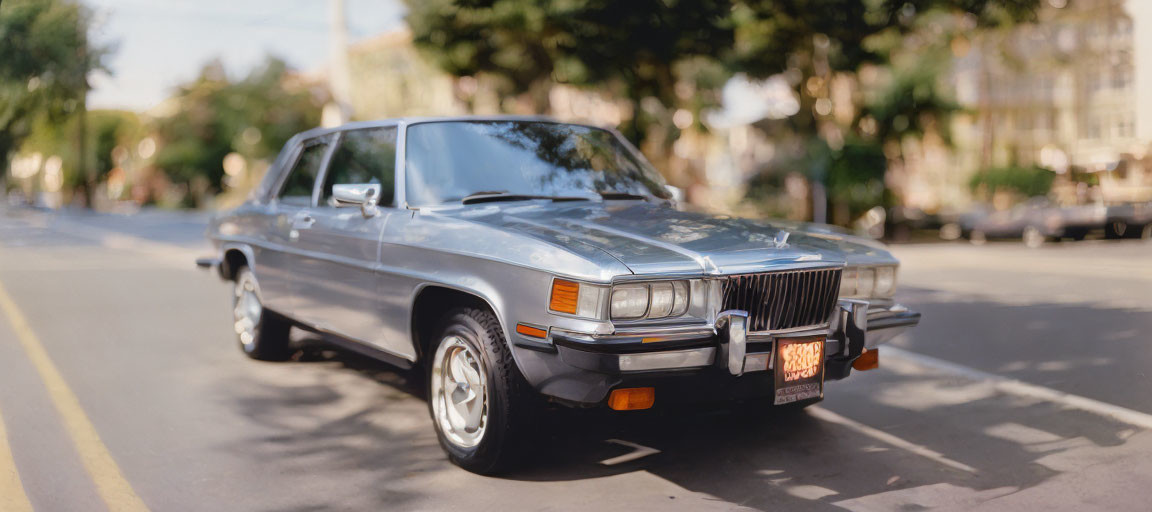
(799, 369)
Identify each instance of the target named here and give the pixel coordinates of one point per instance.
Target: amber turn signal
(534, 332)
(869, 360)
(632, 399)
(565, 296)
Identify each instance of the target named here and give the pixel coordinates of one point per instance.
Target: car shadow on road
(747, 455)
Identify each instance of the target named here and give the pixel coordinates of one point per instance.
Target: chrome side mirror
(365, 195)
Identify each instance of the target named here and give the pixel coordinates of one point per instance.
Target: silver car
(524, 262)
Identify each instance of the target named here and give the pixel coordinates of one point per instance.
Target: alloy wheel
(459, 392)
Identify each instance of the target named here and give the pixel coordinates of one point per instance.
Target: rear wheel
(1146, 233)
(479, 402)
(261, 334)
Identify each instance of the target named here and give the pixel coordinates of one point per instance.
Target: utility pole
(340, 110)
(82, 128)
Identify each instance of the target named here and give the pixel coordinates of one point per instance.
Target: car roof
(403, 121)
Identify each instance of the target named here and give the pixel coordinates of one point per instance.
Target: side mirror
(364, 195)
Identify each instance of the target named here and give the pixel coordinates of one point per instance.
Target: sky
(159, 44)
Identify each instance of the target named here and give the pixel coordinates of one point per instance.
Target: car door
(336, 280)
(288, 213)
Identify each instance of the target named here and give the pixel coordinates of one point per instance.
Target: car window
(297, 187)
(363, 156)
(448, 161)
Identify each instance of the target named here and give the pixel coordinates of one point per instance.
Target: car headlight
(579, 299)
(865, 281)
(885, 281)
(868, 282)
(629, 301)
(663, 299)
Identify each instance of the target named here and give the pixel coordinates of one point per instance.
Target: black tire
(268, 340)
(510, 403)
(1116, 229)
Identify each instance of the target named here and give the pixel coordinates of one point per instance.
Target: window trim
(337, 138)
(328, 138)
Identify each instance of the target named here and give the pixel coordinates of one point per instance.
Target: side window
(364, 156)
(297, 189)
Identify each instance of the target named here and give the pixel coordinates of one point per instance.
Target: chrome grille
(784, 300)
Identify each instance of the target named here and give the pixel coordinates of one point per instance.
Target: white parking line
(882, 436)
(1018, 388)
(640, 451)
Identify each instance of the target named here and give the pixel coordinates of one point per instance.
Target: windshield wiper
(500, 195)
(609, 196)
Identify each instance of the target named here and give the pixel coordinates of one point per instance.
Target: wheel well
(430, 305)
(233, 260)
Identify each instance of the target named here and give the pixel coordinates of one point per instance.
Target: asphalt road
(1025, 388)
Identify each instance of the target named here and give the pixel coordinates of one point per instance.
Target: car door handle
(304, 222)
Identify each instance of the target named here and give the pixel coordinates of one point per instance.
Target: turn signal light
(534, 332)
(869, 360)
(632, 399)
(565, 296)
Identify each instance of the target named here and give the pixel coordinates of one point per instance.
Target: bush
(1025, 181)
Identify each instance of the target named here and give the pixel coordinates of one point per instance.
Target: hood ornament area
(780, 241)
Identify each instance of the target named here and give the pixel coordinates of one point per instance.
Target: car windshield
(456, 160)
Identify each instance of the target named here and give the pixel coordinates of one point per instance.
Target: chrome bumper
(855, 325)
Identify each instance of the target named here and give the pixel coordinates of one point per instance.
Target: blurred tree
(636, 49)
(45, 59)
(108, 129)
(215, 116)
(818, 43)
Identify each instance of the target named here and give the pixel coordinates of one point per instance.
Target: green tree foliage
(637, 49)
(1025, 181)
(107, 129)
(216, 116)
(45, 58)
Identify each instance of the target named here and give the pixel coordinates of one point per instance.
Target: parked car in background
(521, 260)
(1039, 220)
(1130, 220)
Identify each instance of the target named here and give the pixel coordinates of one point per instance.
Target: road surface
(1025, 388)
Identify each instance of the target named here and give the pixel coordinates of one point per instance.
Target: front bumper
(584, 368)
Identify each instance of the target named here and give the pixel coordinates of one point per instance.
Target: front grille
(784, 300)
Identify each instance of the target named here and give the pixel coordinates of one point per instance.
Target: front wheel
(479, 402)
(261, 334)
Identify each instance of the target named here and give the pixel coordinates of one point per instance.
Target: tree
(254, 117)
(635, 49)
(666, 55)
(45, 59)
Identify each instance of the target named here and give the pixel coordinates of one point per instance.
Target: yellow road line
(111, 485)
(12, 495)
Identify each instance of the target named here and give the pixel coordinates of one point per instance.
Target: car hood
(655, 238)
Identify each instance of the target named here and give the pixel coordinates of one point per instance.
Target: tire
(470, 353)
(1115, 230)
(977, 237)
(1033, 238)
(261, 334)
(1146, 233)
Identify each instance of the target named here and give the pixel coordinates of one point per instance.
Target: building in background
(1071, 93)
